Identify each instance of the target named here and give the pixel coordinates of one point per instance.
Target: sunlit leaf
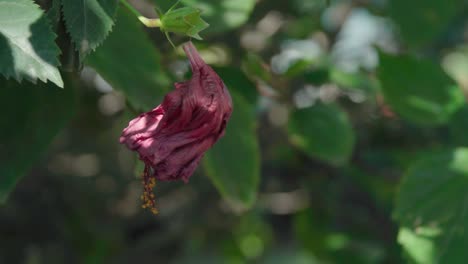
(455, 64)
(418, 89)
(27, 43)
(432, 208)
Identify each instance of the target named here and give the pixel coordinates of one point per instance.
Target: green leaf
(322, 131)
(236, 80)
(255, 68)
(222, 15)
(311, 230)
(419, 90)
(185, 20)
(233, 164)
(291, 255)
(432, 208)
(89, 22)
(31, 116)
(358, 80)
(455, 64)
(422, 21)
(298, 67)
(53, 14)
(135, 70)
(458, 127)
(317, 76)
(27, 43)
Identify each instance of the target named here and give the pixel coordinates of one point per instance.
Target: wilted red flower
(173, 137)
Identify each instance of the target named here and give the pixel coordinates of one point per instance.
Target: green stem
(148, 22)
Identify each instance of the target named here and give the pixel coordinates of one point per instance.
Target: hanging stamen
(149, 182)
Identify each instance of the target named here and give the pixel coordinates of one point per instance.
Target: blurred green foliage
(323, 131)
(426, 100)
(139, 83)
(432, 207)
(347, 143)
(31, 116)
(233, 163)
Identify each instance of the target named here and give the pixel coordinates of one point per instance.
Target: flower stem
(148, 22)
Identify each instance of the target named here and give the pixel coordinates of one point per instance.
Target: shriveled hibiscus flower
(172, 138)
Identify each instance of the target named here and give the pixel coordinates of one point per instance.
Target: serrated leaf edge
(19, 78)
(76, 42)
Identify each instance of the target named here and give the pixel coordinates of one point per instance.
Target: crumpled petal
(172, 138)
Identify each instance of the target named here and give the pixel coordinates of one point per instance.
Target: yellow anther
(149, 182)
